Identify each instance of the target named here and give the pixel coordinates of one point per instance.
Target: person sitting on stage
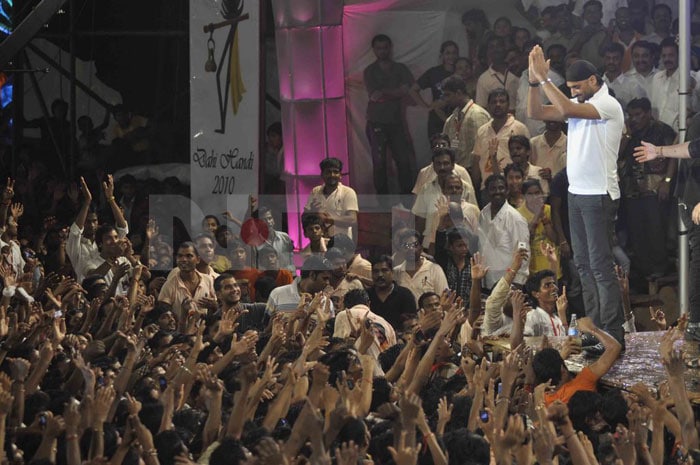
(548, 365)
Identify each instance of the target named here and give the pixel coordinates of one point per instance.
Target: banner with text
(224, 106)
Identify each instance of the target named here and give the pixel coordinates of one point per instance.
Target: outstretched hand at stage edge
(646, 152)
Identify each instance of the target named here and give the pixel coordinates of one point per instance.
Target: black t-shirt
(432, 79)
(399, 302)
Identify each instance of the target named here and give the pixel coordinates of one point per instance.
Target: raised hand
(444, 414)
(103, 402)
(404, 455)
(9, 192)
(549, 252)
(519, 256)
(151, 229)
(478, 269)
(87, 195)
(19, 369)
(71, 416)
(562, 301)
(623, 443)
(658, 316)
(447, 299)
(269, 453)
(108, 187)
(17, 210)
(538, 66)
(543, 442)
(347, 454)
(133, 406)
(6, 400)
(517, 300)
(646, 152)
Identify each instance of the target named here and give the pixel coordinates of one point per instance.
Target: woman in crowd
(431, 79)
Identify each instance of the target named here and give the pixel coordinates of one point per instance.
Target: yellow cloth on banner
(237, 85)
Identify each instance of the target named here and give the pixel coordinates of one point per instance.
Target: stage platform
(641, 363)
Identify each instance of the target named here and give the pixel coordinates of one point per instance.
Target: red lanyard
(554, 327)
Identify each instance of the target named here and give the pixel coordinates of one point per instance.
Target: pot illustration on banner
(229, 61)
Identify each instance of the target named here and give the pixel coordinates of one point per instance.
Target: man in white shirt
(643, 70)
(349, 322)
(278, 240)
(466, 119)
(336, 203)
(315, 277)
(501, 230)
(545, 319)
(549, 149)
(80, 246)
(186, 287)
(625, 87)
(425, 205)
(497, 76)
(596, 122)
(417, 273)
(115, 255)
(501, 127)
(665, 85)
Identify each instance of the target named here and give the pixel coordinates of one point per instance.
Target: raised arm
(108, 189)
(85, 206)
(561, 107)
(612, 347)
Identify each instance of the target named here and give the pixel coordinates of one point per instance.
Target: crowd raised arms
(543, 213)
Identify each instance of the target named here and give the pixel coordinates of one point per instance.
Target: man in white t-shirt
(335, 202)
(547, 318)
(596, 122)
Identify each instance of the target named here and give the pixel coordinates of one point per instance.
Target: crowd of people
(123, 343)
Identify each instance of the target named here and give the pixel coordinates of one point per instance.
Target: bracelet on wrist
(533, 84)
(545, 81)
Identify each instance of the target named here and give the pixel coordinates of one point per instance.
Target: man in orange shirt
(549, 366)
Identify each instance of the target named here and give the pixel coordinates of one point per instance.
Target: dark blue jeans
(592, 223)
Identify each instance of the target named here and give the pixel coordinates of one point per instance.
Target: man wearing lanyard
(465, 120)
(497, 76)
(596, 123)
